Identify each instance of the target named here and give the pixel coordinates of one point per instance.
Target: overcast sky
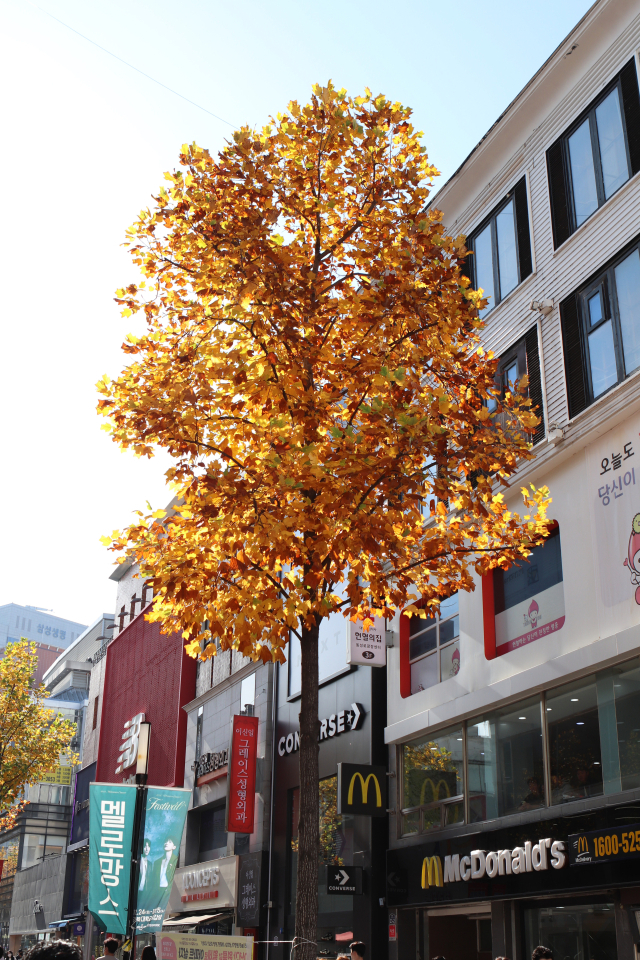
(85, 143)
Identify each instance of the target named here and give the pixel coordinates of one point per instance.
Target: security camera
(542, 306)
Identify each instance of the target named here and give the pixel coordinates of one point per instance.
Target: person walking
(542, 953)
(148, 953)
(357, 949)
(54, 950)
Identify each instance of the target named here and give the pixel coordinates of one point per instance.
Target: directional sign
(344, 880)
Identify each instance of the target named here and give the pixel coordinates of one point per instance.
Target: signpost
(346, 881)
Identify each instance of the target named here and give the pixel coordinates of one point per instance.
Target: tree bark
(308, 828)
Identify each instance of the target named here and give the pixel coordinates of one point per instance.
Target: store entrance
(460, 934)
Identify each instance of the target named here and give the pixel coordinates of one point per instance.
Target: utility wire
(137, 69)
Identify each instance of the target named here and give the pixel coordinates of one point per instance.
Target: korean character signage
(164, 818)
(194, 946)
(366, 642)
(249, 901)
(112, 808)
(241, 782)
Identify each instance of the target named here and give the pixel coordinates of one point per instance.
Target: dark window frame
(519, 195)
(560, 181)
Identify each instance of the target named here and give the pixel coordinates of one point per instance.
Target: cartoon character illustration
(455, 662)
(633, 555)
(532, 615)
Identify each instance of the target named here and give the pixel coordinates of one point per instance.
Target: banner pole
(141, 794)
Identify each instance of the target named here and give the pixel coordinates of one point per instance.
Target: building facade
(513, 715)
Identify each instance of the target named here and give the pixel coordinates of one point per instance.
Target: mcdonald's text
(493, 863)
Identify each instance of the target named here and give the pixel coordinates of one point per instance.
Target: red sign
(242, 775)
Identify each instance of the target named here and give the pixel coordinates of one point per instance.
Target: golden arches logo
(583, 845)
(364, 787)
(431, 872)
(435, 790)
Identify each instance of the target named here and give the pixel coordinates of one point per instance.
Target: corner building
(514, 715)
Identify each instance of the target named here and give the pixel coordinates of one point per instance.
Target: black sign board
(344, 880)
(612, 843)
(362, 790)
(249, 890)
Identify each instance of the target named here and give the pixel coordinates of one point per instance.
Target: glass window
(579, 932)
(505, 766)
(496, 259)
(583, 174)
(627, 284)
(434, 646)
(213, 834)
(483, 252)
(613, 151)
(626, 686)
(575, 761)
(248, 695)
(433, 774)
(32, 850)
(507, 249)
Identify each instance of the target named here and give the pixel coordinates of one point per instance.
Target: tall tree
(32, 737)
(312, 362)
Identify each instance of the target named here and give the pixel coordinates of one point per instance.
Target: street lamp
(142, 765)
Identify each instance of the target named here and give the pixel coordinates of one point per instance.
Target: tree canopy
(32, 737)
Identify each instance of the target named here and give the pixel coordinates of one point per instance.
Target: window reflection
(627, 276)
(574, 742)
(433, 773)
(507, 251)
(626, 686)
(505, 766)
(583, 175)
(613, 153)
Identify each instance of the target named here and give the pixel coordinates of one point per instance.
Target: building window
(573, 930)
(500, 256)
(601, 331)
(433, 645)
(213, 834)
(432, 782)
(575, 759)
(521, 359)
(596, 155)
(525, 602)
(248, 695)
(199, 720)
(96, 701)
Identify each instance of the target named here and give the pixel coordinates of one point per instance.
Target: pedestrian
(54, 950)
(110, 947)
(357, 950)
(148, 953)
(542, 953)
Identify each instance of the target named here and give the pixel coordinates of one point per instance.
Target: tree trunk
(308, 828)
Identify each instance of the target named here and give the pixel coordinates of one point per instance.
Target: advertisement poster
(613, 464)
(112, 808)
(194, 946)
(241, 784)
(163, 822)
(367, 643)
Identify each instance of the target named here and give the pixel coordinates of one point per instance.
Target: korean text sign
(164, 818)
(242, 774)
(194, 946)
(112, 808)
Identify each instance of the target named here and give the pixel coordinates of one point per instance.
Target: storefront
(352, 711)
(570, 881)
(204, 897)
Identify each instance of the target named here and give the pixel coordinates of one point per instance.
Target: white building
(515, 719)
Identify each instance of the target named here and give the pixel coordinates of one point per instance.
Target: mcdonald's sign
(362, 790)
(432, 873)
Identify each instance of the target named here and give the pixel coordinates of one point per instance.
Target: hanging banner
(195, 946)
(366, 642)
(160, 837)
(241, 782)
(111, 809)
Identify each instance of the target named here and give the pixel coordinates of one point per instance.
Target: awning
(187, 920)
(59, 923)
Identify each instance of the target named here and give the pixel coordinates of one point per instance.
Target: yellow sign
(435, 790)
(196, 946)
(583, 845)
(364, 786)
(431, 872)
(61, 775)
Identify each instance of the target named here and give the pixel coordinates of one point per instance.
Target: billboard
(194, 946)
(164, 818)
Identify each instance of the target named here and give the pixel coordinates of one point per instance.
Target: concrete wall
(43, 882)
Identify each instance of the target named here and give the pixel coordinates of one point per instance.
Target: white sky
(85, 143)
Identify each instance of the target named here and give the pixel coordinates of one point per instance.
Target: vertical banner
(164, 818)
(112, 809)
(241, 782)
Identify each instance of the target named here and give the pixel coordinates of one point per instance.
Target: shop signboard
(343, 721)
(164, 818)
(205, 886)
(611, 843)
(248, 912)
(366, 642)
(345, 881)
(362, 789)
(112, 808)
(194, 946)
(61, 774)
(241, 782)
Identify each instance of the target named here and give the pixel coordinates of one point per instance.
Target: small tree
(312, 362)
(32, 738)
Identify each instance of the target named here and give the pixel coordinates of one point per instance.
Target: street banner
(241, 783)
(112, 809)
(195, 946)
(160, 837)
